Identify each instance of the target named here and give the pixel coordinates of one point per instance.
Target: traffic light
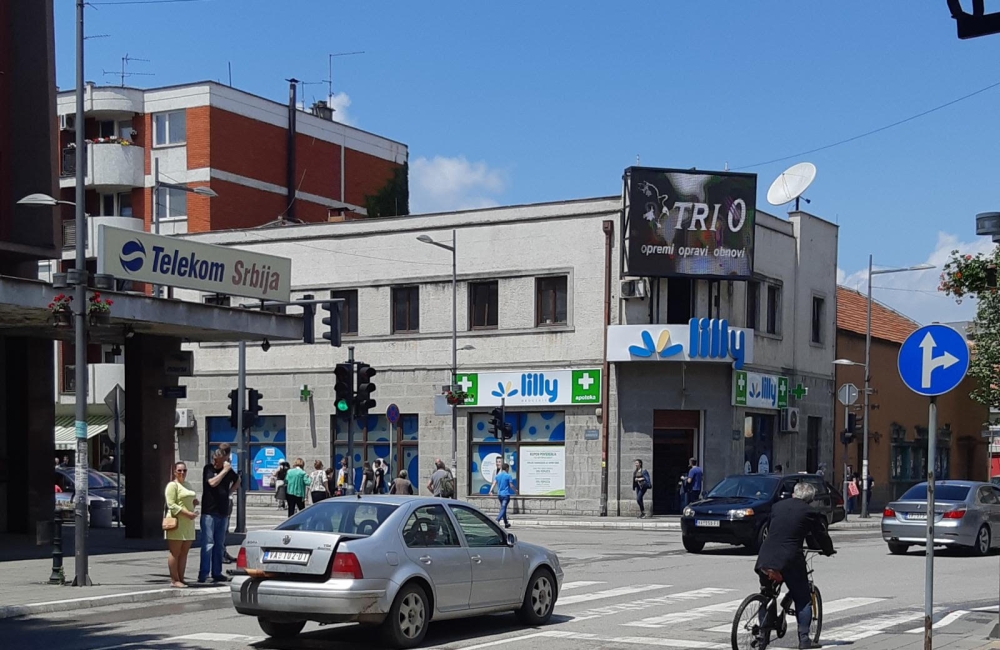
(234, 408)
(852, 422)
(846, 437)
(253, 408)
(333, 322)
(496, 423)
(308, 321)
(364, 400)
(344, 387)
(507, 430)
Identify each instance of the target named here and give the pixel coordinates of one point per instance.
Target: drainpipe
(290, 163)
(609, 232)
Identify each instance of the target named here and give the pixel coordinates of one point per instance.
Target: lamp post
(202, 191)
(867, 366)
(453, 247)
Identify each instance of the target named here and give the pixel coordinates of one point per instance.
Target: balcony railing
(67, 166)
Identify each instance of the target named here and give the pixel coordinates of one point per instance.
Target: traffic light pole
(241, 392)
(350, 432)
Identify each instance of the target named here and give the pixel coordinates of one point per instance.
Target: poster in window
(543, 471)
(265, 465)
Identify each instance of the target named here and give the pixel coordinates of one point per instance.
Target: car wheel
(406, 624)
(898, 549)
(761, 536)
(282, 629)
(692, 546)
(539, 599)
(982, 545)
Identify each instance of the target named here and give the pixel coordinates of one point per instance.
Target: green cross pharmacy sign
(757, 390)
(531, 387)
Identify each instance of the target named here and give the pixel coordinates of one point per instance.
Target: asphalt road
(624, 589)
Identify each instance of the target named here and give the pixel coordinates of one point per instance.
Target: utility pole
(350, 430)
(241, 446)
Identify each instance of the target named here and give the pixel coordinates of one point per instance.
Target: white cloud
(915, 293)
(441, 184)
(340, 102)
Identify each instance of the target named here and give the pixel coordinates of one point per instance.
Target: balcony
(101, 379)
(109, 166)
(93, 226)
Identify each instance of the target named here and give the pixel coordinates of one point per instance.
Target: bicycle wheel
(747, 633)
(816, 626)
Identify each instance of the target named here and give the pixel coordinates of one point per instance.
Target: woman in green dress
(181, 503)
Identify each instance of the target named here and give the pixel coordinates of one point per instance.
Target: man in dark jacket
(792, 523)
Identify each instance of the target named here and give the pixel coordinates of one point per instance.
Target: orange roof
(888, 325)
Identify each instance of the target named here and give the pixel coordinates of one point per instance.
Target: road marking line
(202, 590)
(988, 608)
(637, 640)
(832, 607)
(684, 617)
(947, 620)
(871, 627)
(582, 583)
(215, 636)
(492, 644)
(647, 603)
(609, 593)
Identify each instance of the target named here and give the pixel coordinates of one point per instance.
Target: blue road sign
(933, 360)
(392, 413)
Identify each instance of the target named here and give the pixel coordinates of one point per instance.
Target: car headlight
(741, 513)
(688, 511)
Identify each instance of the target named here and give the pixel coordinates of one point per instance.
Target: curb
(89, 602)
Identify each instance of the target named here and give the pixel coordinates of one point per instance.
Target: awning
(66, 430)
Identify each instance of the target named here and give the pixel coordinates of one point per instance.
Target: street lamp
(426, 239)
(867, 366)
(44, 200)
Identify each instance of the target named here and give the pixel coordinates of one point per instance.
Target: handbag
(169, 522)
(852, 489)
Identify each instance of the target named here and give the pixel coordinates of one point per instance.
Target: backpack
(448, 486)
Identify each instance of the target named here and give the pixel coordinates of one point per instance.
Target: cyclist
(793, 522)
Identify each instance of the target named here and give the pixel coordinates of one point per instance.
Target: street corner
(107, 600)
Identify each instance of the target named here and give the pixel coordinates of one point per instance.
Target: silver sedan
(399, 562)
(966, 514)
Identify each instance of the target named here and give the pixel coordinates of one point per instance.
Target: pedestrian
(821, 470)
(402, 484)
(317, 483)
(217, 480)
(178, 523)
(342, 478)
(57, 461)
(331, 482)
(107, 464)
(695, 481)
(295, 485)
(853, 490)
(441, 483)
(65, 462)
(280, 484)
(504, 485)
(778, 469)
(227, 449)
(380, 472)
(640, 483)
(368, 479)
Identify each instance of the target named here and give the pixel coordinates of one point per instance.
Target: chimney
(322, 110)
(290, 162)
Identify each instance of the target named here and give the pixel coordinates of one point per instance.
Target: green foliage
(394, 197)
(971, 276)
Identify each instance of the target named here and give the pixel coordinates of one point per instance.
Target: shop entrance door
(674, 438)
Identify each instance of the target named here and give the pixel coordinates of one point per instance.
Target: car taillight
(888, 512)
(346, 565)
(241, 559)
(954, 514)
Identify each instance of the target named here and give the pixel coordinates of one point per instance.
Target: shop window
(818, 310)
(535, 453)
(909, 462)
(406, 309)
(267, 446)
(680, 301)
(773, 309)
(483, 305)
(371, 441)
(349, 311)
(753, 305)
(550, 301)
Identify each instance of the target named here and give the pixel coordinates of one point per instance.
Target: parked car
(98, 485)
(399, 562)
(737, 510)
(966, 514)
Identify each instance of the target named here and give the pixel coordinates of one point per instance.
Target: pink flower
(109, 302)
(968, 257)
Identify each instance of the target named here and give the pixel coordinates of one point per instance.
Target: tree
(394, 197)
(976, 277)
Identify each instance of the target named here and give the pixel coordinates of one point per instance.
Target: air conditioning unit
(790, 420)
(67, 122)
(635, 288)
(184, 418)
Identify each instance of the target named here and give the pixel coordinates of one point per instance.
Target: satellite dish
(791, 183)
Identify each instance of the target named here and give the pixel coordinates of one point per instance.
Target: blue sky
(518, 102)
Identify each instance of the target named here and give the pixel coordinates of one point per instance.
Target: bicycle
(760, 615)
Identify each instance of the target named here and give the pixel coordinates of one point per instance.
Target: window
(349, 311)
(171, 203)
(680, 301)
(813, 425)
(106, 129)
(986, 495)
(773, 309)
(169, 128)
(483, 305)
(125, 130)
(125, 204)
(340, 516)
(371, 440)
(753, 305)
(539, 440)
(406, 309)
(217, 299)
(267, 445)
(817, 319)
(429, 527)
(550, 301)
(116, 205)
(107, 205)
(479, 531)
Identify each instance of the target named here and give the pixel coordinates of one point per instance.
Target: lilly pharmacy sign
(531, 388)
(173, 262)
(701, 340)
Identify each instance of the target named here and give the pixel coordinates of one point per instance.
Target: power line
(874, 131)
(334, 252)
(143, 2)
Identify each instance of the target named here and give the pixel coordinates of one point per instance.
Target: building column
(149, 429)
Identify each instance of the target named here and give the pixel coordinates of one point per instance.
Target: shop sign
(701, 340)
(543, 471)
(757, 390)
(265, 465)
(531, 388)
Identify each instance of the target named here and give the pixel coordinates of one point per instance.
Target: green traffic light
(342, 405)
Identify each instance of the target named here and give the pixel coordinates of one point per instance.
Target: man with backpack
(442, 483)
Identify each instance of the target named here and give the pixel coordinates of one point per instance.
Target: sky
(521, 101)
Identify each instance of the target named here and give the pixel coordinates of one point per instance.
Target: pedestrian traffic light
(366, 387)
(308, 321)
(234, 408)
(333, 322)
(852, 422)
(496, 424)
(253, 408)
(344, 387)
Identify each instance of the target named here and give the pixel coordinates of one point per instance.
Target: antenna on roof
(791, 183)
(329, 79)
(124, 71)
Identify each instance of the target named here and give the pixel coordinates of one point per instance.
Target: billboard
(684, 223)
(173, 262)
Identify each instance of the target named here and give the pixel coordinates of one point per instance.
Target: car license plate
(922, 516)
(707, 523)
(293, 557)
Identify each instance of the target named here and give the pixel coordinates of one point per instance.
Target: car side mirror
(511, 539)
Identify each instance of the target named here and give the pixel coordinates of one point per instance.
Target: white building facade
(532, 330)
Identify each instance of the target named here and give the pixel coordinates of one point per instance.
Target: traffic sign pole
(929, 563)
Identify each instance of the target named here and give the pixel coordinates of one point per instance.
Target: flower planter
(62, 319)
(100, 319)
